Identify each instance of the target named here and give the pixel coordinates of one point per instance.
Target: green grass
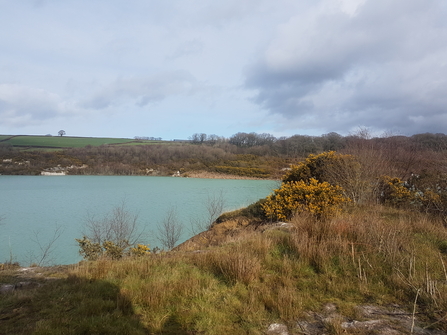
(4, 137)
(65, 141)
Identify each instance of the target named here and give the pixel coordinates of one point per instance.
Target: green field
(4, 137)
(25, 141)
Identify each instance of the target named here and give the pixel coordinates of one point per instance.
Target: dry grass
(256, 277)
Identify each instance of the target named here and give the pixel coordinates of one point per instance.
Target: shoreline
(215, 175)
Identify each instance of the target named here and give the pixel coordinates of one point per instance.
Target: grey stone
(277, 329)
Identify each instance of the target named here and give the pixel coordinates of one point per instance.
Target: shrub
(394, 191)
(89, 250)
(321, 200)
(93, 251)
(140, 250)
(431, 189)
(427, 193)
(115, 232)
(112, 250)
(333, 168)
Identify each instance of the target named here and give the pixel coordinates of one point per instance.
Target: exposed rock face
(374, 320)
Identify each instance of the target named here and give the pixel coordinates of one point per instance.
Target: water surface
(33, 206)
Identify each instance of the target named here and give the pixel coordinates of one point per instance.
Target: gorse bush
(93, 251)
(112, 236)
(426, 193)
(395, 192)
(313, 186)
(140, 250)
(113, 251)
(322, 200)
(89, 250)
(333, 168)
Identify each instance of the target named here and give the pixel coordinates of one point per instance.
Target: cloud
(187, 48)
(142, 91)
(343, 64)
(220, 13)
(22, 106)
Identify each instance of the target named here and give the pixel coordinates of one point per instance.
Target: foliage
(243, 171)
(394, 191)
(320, 199)
(110, 236)
(252, 155)
(426, 192)
(93, 251)
(251, 139)
(89, 250)
(113, 251)
(314, 186)
(140, 250)
(331, 167)
(255, 210)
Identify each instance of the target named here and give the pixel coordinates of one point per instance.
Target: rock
(390, 320)
(277, 329)
(6, 288)
(330, 308)
(312, 328)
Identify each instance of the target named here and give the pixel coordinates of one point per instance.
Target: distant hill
(60, 142)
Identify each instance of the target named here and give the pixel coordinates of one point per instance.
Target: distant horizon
(188, 138)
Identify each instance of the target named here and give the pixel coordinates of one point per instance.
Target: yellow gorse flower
(319, 199)
(140, 250)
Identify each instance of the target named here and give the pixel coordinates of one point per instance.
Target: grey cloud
(22, 106)
(220, 13)
(187, 48)
(39, 3)
(383, 67)
(143, 90)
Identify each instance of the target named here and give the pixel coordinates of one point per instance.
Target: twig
(392, 314)
(443, 266)
(414, 311)
(430, 325)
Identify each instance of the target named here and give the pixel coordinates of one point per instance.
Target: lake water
(33, 206)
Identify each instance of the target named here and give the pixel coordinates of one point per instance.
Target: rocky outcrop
(390, 320)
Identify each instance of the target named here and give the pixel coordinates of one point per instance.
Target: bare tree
(119, 226)
(169, 230)
(214, 205)
(46, 248)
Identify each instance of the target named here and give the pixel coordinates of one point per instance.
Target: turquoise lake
(33, 206)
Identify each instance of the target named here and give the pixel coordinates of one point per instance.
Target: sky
(172, 68)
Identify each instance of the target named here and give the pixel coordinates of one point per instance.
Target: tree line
(244, 154)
